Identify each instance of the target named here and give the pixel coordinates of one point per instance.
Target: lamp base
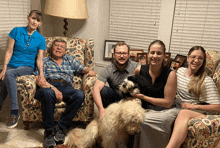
(65, 27)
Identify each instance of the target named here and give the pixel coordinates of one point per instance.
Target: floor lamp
(67, 9)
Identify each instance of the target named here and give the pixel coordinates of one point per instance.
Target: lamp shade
(71, 9)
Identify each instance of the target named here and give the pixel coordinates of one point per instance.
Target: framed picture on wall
(167, 58)
(109, 49)
(181, 59)
(134, 52)
(175, 65)
(142, 58)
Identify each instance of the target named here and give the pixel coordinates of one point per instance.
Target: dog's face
(130, 85)
(131, 116)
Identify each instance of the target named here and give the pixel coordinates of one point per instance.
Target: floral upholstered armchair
(83, 51)
(204, 131)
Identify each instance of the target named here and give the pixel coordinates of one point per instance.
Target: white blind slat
(196, 22)
(13, 13)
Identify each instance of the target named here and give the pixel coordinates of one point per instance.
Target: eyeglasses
(200, 59)
(61, 46)
(122, 54)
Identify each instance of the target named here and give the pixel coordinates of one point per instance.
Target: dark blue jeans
(72, 97)
(108, 96)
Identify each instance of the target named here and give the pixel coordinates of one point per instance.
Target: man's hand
(91, 73)
(58, 94)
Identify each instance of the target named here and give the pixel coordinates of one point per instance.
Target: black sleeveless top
(155, 90)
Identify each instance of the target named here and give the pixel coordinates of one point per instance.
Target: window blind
(196, 22)
(13, 13)
(135, 22)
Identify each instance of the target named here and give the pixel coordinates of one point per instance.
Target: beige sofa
(83, 51)
(204, 131)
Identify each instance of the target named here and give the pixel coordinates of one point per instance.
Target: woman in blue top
(158, 96)
(25, 51)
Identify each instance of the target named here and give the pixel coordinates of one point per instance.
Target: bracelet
(5, 63)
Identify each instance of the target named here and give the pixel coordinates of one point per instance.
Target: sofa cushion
(212, 60)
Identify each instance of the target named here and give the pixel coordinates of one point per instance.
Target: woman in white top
(197, 93)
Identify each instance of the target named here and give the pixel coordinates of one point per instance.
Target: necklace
(29, 36)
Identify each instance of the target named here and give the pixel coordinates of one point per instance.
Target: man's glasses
(121, 54)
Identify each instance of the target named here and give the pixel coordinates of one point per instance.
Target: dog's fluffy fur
(114, 127)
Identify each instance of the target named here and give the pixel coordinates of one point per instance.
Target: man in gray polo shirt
(114, 74)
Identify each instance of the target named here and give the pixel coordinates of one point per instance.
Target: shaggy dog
(112, 130)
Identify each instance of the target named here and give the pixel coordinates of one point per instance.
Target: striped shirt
(211, 93)
(69, 66)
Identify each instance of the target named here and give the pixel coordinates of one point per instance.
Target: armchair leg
(26, 125)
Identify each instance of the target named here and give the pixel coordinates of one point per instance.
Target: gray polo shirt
(115, 77)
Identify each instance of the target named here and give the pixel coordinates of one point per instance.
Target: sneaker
(13, 121)
(59, 135)
(49, 140)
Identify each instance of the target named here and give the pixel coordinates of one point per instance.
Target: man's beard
(119, 64)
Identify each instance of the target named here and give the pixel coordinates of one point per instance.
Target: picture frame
(142, 58)
(181, 59)
(175, 65)
(134, 52)
(167, 58)
(108, 48)
(132, 58)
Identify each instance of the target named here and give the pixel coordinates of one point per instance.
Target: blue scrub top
(26, 47)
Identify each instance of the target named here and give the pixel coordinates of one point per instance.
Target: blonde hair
(197, 84)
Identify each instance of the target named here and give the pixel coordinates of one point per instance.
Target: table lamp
(67, 9)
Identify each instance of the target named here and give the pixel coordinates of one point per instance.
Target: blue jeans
(108, 96)
(72, 97)
(9, 84)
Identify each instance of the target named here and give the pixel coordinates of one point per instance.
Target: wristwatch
(51, 86)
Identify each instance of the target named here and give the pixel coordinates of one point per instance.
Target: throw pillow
(212, 59)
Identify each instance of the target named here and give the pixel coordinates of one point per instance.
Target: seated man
(59, 70)
(114, 74)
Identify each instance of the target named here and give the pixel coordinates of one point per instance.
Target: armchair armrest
(88, 104)
(203, 130)
(27, 88)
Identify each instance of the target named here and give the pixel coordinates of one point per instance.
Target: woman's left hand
(188, 106)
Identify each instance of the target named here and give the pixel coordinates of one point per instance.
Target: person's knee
(9, 74)
(104, 91)
(43, 94)
(184, 114)
(80, 96)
